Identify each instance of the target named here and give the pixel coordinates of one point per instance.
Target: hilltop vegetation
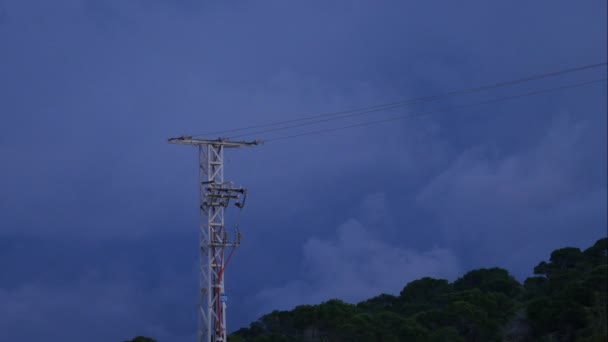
(141, 339)
(566, 300)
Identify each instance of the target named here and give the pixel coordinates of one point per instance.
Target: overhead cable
(406, 116)
(397, 104)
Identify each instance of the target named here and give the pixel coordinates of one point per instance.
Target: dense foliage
(141, 339)
(566, 300)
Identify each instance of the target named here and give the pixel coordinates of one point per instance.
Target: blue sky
(98, 213)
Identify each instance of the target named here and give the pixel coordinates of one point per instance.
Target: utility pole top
(224, 142)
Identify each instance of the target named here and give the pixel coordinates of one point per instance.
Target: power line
(402, 117)
(398, 104)
(315, 122)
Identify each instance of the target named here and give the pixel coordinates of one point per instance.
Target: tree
(489, 280)
(424, 291)
(141, 339)
(379, 303)
(566, 300)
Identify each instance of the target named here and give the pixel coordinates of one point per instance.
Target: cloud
(93, 309)
(98, 291)
(357, 263)
(90, 91)
(500, 205)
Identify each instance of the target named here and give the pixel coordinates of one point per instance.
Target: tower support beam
(215, 196)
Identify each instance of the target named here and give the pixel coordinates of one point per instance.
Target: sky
(98, 213)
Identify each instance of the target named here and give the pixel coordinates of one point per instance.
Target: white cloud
(358, 263)
(501, 207)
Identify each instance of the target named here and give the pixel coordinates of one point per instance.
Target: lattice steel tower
(214, 197)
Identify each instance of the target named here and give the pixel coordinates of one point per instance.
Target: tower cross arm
(225, 142)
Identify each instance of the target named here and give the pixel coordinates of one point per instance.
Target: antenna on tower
(214, 197)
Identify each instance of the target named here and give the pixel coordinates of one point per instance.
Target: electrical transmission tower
(214, 197)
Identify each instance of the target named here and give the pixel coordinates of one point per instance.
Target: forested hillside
(566, 300)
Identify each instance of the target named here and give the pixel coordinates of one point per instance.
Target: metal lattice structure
(215, 196)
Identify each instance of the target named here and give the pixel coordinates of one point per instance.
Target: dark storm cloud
(523, 205)
(3, 16)
(90, 90)
(102, 291)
